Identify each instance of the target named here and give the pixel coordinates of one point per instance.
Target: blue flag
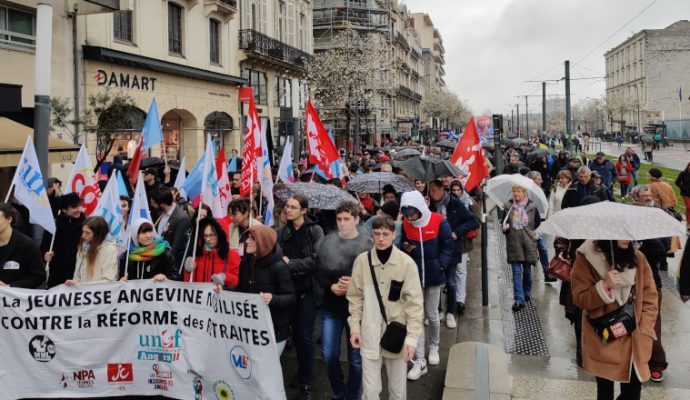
(152, 132)
(192, 184)
(121, 187)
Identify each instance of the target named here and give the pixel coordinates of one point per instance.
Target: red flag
(135, 162)
(251, 151)
(322, 151)
(223, 181)
(469, 157)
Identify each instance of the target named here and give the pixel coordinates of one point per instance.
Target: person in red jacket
(624, 170)
(215, 261)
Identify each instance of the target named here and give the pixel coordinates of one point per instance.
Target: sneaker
(461, 307)
(517, 307)
(418, 369)
(433, 358)
(450, 321)
(657, 376)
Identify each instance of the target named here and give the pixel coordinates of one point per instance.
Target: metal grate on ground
(669, 282)
(522, 333)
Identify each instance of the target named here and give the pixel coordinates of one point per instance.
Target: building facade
(644, 79)
(408, 68)
(432, 59)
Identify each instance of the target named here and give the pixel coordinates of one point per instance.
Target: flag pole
(129, 242)
(251, 194)
(196, 237)
(52, 242)
(184, 256)
(9, 192)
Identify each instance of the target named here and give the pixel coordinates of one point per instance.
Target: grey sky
(492, 46)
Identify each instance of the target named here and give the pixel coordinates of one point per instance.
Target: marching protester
(215, 261)
(149, 256)
(238, 209)
(596, 179)
(63, 255)
(20, 259)
(428, 239)
(125, 204)
(300, 239)
(393, 274)
(624, 174)
(602, 286)
(97, 259)
(683, 183)
(336, 255)
(53, 188)
(262, 270)
(458, 190)
(563, 179)
(173, 224)
(391, 209)
(582, 187)
(461, 222)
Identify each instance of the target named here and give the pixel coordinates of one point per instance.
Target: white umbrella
(500, 189)
(611, 221)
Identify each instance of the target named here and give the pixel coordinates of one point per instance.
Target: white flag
(285, 170)
(179, 181)
(265, 178)
(30, 189)
(140, 207)
(209, 181)
(84, 182)
(109, 208)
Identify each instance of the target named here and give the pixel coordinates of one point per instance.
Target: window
(17, 28)
(257, 80)
(174, 29)
(122, 25)
(302, 45)
(283, 92)
(214, 40)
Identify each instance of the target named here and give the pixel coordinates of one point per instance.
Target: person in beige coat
(97, 259)
(599, 289)
(404, 305)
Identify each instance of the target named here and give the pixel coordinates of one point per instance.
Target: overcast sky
(493, 46)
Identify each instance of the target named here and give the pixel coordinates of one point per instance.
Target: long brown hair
(100, 230)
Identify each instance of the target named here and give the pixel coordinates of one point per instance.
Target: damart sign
(174, 339)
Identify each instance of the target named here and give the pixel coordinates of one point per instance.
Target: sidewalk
(675, 157)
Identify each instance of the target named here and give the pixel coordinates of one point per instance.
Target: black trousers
(629, 391)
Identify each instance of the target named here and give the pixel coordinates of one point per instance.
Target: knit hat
(391, 208)
(265, 239)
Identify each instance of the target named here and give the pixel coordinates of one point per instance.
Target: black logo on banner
(42, 349)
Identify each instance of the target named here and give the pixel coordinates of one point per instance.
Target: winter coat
(476, 210)
(545, 171)
(433, 239)
(209, 263)
(461, 221)
(303, 268)
(623, 176)
(684, 271)
(683, 183)
(556, 198)
(614, 360)
(513, 169)
(577, 191)
(270, 274)
(662, 194)
(67, 234)
(105, 269)
(521, 244)
(607, 171)
(176, 232)
(163, 264)
(565, 296)
(21, 264)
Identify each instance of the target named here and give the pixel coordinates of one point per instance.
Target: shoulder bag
(394, 337)
(560, 267)
(617, 323)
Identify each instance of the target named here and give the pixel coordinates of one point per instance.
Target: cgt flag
(469, 157)
(322, 151)
(84, 183)
(223, 182)
(30, 190)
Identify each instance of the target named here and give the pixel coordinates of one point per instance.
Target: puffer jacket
(461, 221)
(209, 263)
(432, 239)
(521, 245)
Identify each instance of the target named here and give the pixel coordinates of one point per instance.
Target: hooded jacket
(432, 239)
(67, 234)
(461, 221)
(266, 272)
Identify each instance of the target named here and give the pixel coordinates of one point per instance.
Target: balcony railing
(407, 92)
(266, 46)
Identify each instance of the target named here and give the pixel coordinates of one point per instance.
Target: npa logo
(120, 373)
(161, 348)
(81, 379)
(241, 362)
(42, 349)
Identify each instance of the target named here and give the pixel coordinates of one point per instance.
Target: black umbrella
(374, 182)
(149, 162)
(533, 155)
(447, 143)
(429, 168)
(514, 142)
(325, 197)
(404, 153)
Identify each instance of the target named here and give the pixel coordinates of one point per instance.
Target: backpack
(657, 137)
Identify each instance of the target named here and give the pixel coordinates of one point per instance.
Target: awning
(13, 138)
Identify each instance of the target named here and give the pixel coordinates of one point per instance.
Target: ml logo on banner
(241, 362)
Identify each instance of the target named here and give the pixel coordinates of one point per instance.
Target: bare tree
(617, 105)
(445, 105)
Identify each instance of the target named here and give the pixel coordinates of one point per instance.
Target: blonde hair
(516, 186)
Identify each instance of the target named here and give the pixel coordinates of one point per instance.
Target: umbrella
(325, 197)
(429, 168)
(533, 155)
(514, 142)
(500, 189)
(404, 153)
(648, 139)
(447, 143)
(151, 162)
(612, 221)
(374, 182)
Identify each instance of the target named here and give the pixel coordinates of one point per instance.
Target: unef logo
(162, 348)
(120, 373)
(241, 362)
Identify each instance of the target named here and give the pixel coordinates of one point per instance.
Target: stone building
(644, 76)
(433, 57)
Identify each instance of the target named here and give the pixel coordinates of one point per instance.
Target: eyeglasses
(210, 236)
(289, 207)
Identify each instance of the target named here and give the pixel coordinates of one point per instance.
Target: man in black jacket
(582, 188)
(461, 222)
(174, 222)
(300, 239)
(63, 255)
(20, 260)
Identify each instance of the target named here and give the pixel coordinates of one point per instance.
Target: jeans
(522, 281)
(543, 254)
(461, 279)
(302, 325)
(635, 178)
(625, 189)
(629, 391)
(452, 287)
(332, 326)
(432, 296)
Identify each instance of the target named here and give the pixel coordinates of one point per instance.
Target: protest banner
(174, 339)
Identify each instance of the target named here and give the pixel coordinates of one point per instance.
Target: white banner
(179, 340)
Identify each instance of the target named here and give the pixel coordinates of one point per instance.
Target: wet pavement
(676, 156)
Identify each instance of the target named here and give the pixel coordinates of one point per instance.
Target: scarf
(442, 204)
(466, 199)
(520, 218)
(148, 253)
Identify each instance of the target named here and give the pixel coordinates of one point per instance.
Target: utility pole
(512, 122)
(518, 119)
(543, 107)
(568, 122)
(526, 117)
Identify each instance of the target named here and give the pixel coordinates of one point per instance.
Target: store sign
(122, 80)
